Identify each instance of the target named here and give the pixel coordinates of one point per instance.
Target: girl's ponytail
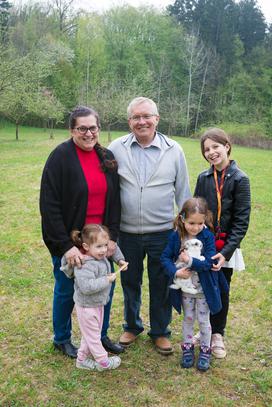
(76, 238)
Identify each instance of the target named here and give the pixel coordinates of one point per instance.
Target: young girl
(91, 292)
(227, 191)
(190, 224)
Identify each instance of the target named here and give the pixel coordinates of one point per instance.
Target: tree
(4, 20)
(63, 9)
(252, 26)
(22, 90)
(46, 106)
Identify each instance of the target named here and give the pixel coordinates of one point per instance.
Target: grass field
(33, 374)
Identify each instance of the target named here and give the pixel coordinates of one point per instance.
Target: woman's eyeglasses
(83, 129)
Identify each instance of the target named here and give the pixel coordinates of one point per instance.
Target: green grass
(33, 374)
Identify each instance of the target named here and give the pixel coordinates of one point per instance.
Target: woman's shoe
(218, 346)
(112, 347)
(188, 355)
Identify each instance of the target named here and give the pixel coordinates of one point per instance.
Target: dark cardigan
(64, 196)
(212, 282)
(235, 204)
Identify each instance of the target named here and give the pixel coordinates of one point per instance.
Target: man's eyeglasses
(144, 117)
(84, 129)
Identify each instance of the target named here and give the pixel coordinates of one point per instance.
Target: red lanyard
(219, 189)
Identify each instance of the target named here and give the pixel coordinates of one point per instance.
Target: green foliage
(202, 61)
(4, 20)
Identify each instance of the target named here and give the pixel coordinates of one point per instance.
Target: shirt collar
(156, 142)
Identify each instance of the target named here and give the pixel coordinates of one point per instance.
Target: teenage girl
(227, 191)
(91, 292)
(190, 224)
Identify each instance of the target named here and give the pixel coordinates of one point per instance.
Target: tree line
(202, 61)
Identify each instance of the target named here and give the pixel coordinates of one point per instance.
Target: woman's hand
(123, 265)
(221, 260)
(111, 277)
(74, 257)
(184, 273)
(111, 248)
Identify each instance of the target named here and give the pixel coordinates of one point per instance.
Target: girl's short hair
(82, 111)
(191, 206)
(89, 234)
(217, 135)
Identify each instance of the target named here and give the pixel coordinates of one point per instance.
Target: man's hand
(221, 261)
(184, 273)
(74, 257)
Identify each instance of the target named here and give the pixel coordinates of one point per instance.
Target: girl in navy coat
(190, 224)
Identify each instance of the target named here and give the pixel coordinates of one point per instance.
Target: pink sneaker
(114, 362)
(218, 347)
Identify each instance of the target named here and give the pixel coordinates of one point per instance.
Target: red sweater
(97, 185)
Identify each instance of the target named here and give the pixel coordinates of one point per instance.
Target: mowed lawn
(33, 374)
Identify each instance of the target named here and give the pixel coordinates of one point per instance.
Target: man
(153, 174)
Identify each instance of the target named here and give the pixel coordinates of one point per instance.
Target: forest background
(204, 62)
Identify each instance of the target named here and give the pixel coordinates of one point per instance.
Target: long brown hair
(191, 206)
(217, 135)
(89, 234)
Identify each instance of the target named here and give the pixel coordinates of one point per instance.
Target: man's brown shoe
(127, 338)
(163, 345)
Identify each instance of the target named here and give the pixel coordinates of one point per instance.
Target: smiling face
(143, 122)
(193, 224)
(216, 154)
(85, 141)
(99, 248)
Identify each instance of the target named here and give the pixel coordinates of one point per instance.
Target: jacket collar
(232, 168)
(166, 143)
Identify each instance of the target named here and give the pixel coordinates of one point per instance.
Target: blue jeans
(135, 248)
(63, 305)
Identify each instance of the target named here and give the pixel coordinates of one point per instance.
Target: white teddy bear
(193, 246)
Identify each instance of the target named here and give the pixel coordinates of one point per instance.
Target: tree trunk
(17, 131)
(51, 121)
(109, 133)
(201, 93)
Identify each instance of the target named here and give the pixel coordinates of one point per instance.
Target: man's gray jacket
(151, 208)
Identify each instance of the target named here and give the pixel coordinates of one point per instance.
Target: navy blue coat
(212, 282)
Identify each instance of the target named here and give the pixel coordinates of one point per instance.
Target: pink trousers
(90, 322)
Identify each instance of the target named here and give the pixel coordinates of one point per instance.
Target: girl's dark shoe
(67, 349)
(188, 355)
(204, 358)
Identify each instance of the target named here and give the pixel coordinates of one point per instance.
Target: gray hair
(139, 100)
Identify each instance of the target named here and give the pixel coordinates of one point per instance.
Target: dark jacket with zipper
(235, 204)
(64, 197)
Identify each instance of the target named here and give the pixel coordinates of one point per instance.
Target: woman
(79, 185)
